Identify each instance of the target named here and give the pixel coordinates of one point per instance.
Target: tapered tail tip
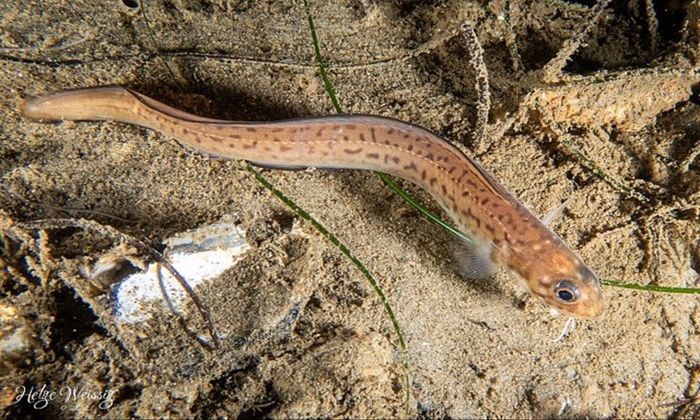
(33, 108)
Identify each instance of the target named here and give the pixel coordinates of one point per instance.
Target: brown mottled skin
(476, 201)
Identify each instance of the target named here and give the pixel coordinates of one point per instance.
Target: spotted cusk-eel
(504, 231)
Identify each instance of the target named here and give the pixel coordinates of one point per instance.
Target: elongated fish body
(505, 231)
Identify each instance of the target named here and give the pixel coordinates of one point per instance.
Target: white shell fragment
(199, 255)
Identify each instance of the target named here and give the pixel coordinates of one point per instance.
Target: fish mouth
(584, 310)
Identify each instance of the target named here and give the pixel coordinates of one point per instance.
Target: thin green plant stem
(338, 243)
(319, 58)
(587, 162)
(429, 215)
(652, 287)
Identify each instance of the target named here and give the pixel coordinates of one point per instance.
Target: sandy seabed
(302, 332)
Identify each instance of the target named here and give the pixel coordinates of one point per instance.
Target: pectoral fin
(473, 260)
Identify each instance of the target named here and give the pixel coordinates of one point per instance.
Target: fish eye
(566, 291)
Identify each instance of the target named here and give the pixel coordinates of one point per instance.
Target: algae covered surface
(594, 104)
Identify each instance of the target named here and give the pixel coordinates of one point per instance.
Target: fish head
(566, 284)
